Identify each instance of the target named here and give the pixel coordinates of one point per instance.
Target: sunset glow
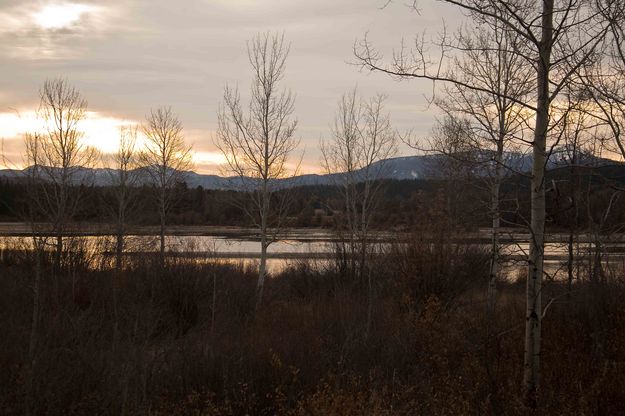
(209, 158)
(100, 131)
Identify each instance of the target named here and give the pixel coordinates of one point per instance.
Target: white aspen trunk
(531, 373)
(364, 241)
(262, 272)
(494, 260)
(214, 305)
(353, 224)
(121, 222)
(119, 249)
(370, 303)
(264, 243)
(34, 329)
(162, 225)
(574, 227)
(59, 248)
(570, 260)
(60, 225)
(496, 221)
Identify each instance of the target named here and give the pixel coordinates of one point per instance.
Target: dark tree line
(402, 203)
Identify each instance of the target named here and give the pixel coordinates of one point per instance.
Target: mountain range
(399, 168)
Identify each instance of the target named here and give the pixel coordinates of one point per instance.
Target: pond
(242, 246)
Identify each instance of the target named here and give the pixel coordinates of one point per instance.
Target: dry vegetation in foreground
(183, 339)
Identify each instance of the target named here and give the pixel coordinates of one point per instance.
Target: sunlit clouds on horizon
(100, 131)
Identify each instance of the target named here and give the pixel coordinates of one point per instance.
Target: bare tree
(362, 141)
(601, 89)
(258, 140)
(165, 158)
(579, 134)
(493, 120)
(123, 177)
(454, 161)
(39, 241)
(58, 157)
(558, 38)
(603, 84)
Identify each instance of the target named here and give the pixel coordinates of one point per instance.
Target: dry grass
(144, 341)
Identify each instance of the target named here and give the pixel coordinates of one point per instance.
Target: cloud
(100, 130)
(127, 56)
(61, 16)
(52, 30)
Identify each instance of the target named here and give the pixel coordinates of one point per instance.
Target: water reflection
(310, 246)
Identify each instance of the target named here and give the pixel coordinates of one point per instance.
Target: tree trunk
(570, 261)
(574, 228)
(214, 305)
(58, 254)
(162, 227)
(536, 256)
(119, 249)
(370, 303)
(262, 272)
(496, 223)
(494, 260)
(34, 329)
(264, 243)
(121, 231)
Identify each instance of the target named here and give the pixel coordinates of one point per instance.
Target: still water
(315, 245)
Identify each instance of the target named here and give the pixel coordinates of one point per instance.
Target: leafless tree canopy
(124, 177)
(603, 84)
(557, 40)
(579, 27)
(362, 140)
(58, 151)
(258, 140)
(57, 157)
(496, 120)
(165, 158)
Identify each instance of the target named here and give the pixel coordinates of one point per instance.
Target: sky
(127, 56)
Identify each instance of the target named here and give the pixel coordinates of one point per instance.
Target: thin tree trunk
(370, 303)
(162, 239)
(119, 244)
(364, 267)
(214, 304)
(570, 261)
(59, 249)
(116, 281)
(533, 316)
(34, 330)
(496, 223)
(60, 225)
(574, 228)
(262, 272)
(494, 260)
(162, 227)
